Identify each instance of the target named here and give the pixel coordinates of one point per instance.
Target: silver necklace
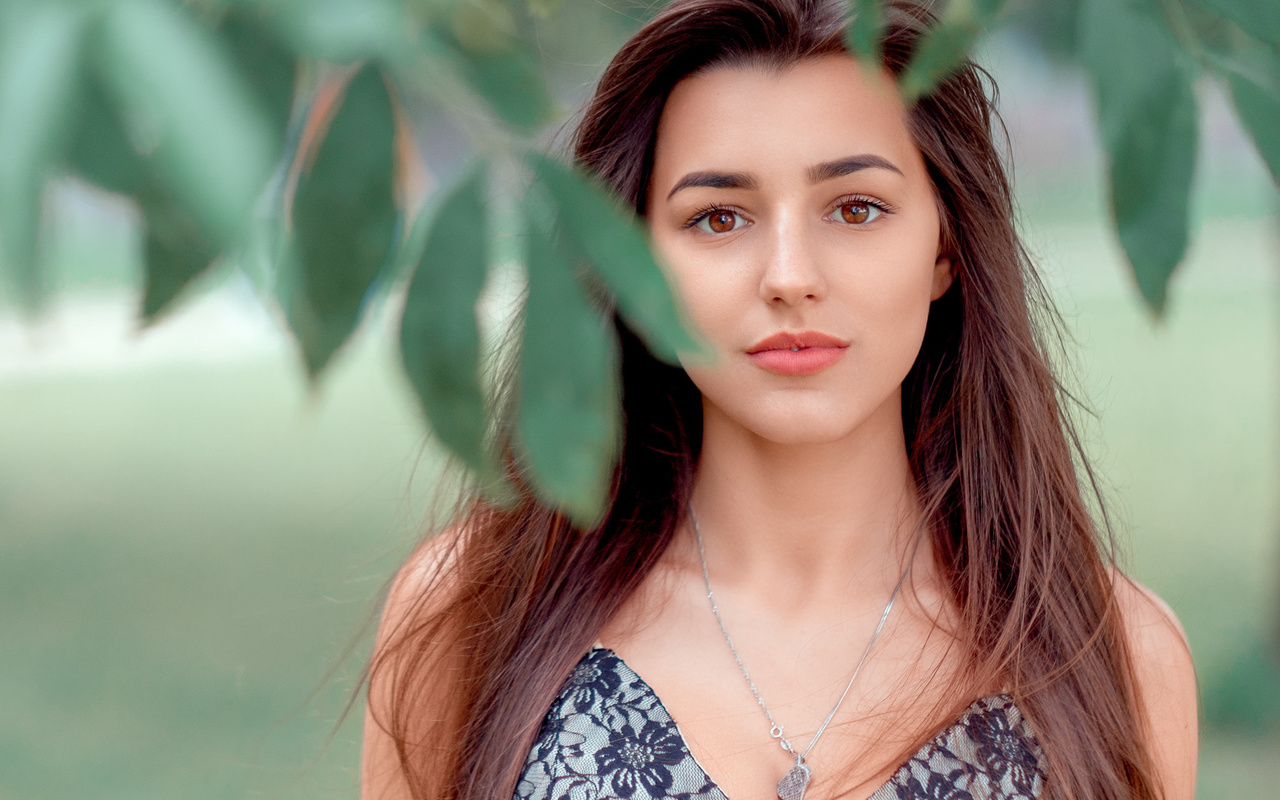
(792, 785)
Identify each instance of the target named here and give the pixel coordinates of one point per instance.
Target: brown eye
(721, 221)
(855, 213)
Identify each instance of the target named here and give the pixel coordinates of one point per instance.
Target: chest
(799, 669)
(723, 725)
(608, 735)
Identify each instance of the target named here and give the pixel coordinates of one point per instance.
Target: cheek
(712, 291)
(893, 271)
(898, 297)
(715, 307)
(889, 301)
(717, 302)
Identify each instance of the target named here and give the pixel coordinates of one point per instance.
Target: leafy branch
(276, 132)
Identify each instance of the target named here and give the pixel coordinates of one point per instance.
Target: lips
(803, 353)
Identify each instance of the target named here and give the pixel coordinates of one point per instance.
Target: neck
(811, 516)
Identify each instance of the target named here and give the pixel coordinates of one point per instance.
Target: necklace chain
(775, 729)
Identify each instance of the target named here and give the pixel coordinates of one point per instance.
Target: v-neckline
(644, 686)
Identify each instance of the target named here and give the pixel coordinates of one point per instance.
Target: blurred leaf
(569, 396)
(483, 26)
(481, 36)
(863, 35)
(945, 46)
(1148, 118)
(175, 247)
(1254, 77)
(1211, 32)
(176, 250)
(1260, 18)
(344, 219)
(439, 337)
(39, 66)
(187, 107)
(275, 74)
(512, 83)
(269, 66)
(100, 150)
(345, 31)
(619, 253)
(1053, 25)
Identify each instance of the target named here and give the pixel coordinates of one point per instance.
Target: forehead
(767, 120)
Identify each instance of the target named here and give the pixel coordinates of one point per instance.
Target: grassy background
(187, 552)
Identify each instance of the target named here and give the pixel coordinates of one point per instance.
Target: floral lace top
(608, 736)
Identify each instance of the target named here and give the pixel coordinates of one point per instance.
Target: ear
(942, 276)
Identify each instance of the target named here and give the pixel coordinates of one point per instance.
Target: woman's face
(796, 217)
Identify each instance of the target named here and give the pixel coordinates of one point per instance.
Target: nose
(791, 273)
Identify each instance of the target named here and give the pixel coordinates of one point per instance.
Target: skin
(803, 492)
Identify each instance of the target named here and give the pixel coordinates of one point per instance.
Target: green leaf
(481, 37)
(1260, 18)
(39, 70)
(346, 31)
(278, 77)
(176, 247)
(862, 37)
(344, 219)
(619, 252)
(1259, 110)
(439, 337)
(512, 84)
(175, 251)
(569, 396)
(1052, 26)
(186, 105)
(1254, 77)
(1148, 119)
(270, 68)
(944, 47)
(100, 150)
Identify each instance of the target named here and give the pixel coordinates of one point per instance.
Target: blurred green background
(192, 540)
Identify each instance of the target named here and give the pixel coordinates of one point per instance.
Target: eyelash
(884, 207)
(705, 211)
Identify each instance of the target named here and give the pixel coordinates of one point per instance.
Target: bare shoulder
(422, 582)
(1166, 683)
(420, 588)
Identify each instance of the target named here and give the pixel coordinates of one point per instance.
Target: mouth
(803, 353)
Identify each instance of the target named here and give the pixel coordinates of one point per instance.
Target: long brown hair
(522, 593)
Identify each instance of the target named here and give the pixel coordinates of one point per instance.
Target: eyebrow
(816, 174)
(847, 166)
(715, 180)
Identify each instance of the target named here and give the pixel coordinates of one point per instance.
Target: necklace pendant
(793, 784)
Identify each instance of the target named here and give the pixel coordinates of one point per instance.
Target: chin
(802, 418)
(799, 424)
(801, 431)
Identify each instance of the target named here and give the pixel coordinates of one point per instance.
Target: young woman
(849, 554)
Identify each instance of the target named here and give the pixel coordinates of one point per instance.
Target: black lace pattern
(608, 736)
